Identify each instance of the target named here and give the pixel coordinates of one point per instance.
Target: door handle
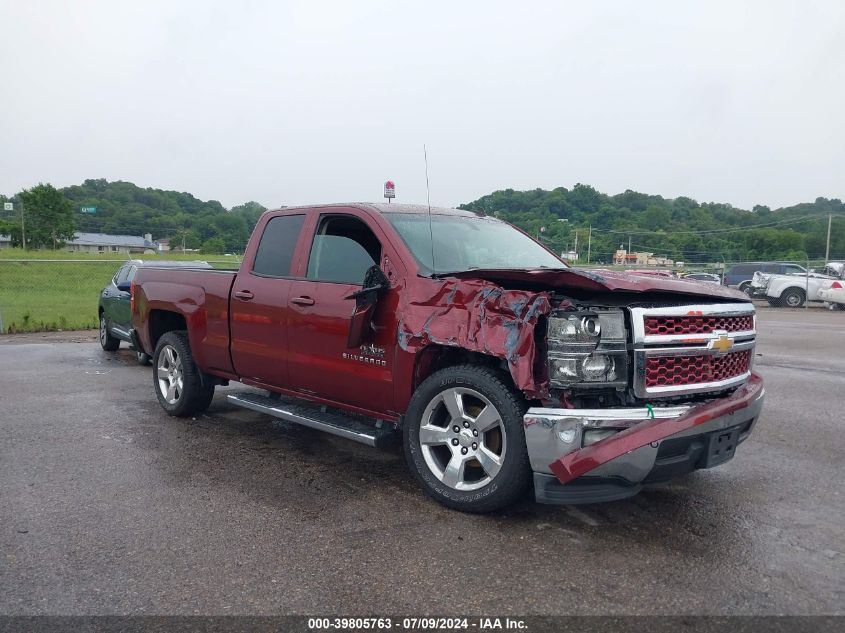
(303, 301)
(246, 295)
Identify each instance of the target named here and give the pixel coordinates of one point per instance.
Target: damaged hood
(602, 281)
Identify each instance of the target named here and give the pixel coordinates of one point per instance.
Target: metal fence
(56, 294)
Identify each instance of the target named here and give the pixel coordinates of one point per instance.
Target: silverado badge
(370, 355)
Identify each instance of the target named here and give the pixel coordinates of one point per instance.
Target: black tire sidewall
(108, 342)
(195, 396)
(512, 480)
(788, 293)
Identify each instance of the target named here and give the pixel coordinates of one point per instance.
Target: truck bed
(201, 297)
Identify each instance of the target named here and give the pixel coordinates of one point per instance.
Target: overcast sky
(297, 102)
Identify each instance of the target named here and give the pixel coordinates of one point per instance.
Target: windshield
(463, 243)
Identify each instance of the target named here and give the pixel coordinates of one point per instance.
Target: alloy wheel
(462, 437)
(169, 374)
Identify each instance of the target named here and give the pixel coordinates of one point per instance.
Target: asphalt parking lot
(109, 506)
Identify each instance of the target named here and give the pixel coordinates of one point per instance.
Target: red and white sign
(389, 189)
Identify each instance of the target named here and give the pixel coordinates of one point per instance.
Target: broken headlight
(588, 348)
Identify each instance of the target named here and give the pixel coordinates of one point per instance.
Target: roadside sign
(90, 210)
(7, 206)
(389, 189)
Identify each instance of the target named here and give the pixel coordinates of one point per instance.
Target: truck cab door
(259, 307)
(343, 248)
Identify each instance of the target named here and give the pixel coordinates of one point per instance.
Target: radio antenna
(428, 199)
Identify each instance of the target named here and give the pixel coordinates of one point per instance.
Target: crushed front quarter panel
(478, 316)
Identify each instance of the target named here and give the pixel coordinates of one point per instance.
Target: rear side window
(122, 275)
(343, 249)
(275, 250)
(120, 271)
(743, 269)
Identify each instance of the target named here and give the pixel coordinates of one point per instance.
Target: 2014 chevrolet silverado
(500, 365)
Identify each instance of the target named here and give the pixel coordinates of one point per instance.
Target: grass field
(47, 290)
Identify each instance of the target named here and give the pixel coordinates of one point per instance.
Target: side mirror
(375, 284)
(124, 286)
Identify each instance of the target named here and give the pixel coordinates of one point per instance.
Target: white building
(105, 243)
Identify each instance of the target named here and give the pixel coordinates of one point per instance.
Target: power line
(736, 229)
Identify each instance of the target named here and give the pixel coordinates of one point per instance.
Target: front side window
(465, 243)
(343, 249)
(275, 250)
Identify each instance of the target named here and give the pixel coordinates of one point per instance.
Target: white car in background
(793, 291)
(834, 296)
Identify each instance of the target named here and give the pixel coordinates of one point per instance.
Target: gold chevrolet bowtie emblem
(722, 344)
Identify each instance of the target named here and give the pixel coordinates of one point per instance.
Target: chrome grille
(692, 349)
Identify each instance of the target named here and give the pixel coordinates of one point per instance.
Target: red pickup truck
(499, 366)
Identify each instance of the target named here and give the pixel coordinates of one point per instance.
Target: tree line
(680, 228)
(53, 216)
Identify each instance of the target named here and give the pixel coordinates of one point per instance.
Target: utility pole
(827, 248)
(629, 244)
(589, 243)
(576, 245)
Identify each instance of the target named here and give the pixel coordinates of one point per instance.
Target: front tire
(464, 440)
(107, 341)
(178, 382)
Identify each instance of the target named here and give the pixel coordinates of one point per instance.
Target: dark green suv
(114, 313)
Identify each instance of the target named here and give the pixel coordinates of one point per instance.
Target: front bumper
(655, 444)
(758, 292)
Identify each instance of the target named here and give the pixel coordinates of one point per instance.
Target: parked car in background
(792, 291)
(715, 279)
(114, 311)
(740, 275)
(656, 272)
(834, 296)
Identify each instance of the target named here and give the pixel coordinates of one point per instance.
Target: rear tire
(481, 467)
(793, 298)
(178, 382)
(107, 341)
(745, 287)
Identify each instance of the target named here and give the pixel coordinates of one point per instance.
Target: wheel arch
(162, 321)
(435, 357)
(790, 288)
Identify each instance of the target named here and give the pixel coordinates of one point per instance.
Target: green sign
(91, 210)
